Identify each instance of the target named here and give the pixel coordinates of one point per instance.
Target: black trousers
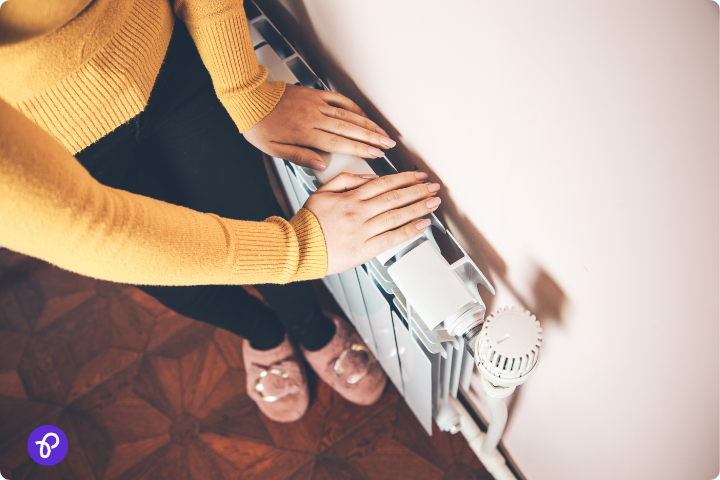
(185, 149)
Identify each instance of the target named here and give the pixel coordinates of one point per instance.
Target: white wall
(577, 142)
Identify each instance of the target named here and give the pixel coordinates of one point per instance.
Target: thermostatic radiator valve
(507, 352)
(507, 349)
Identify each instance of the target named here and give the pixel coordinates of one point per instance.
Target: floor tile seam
(293, 450)
(87, 460)
(212, 391)
(312, 471)
(252, 464)
(224, 357)
(127, 297)
(167, 434)
(44, 370)
(15, 369)
(123, 349)
(181, 386)
(246, 439)
(217, 454)
(55, 320)
(145, 460)
(174, 334)
(150, 331)
(110, 318)
(367, 419)
(147, 340)
(409, 447)
(303, 433)
(67, 403)
(357, 462)
(359, 467)
(147, 400)
(186, 457)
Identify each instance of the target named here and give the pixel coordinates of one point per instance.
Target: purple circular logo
(47, 445)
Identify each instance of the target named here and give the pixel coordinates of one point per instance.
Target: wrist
(247, 108)
(313, 258)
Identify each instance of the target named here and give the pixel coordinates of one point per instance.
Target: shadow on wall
(548, 299)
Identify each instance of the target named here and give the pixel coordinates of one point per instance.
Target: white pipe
(493, 462)
(496, 425)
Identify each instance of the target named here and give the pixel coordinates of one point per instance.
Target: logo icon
(47, 445)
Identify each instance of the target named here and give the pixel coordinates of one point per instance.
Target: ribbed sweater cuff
(312, 263)
(240, 83)
(248, 108)
(274, 251)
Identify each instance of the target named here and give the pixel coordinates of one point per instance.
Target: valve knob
(508, 348)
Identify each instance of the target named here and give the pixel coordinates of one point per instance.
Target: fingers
(341, 101)
(400, 198)
(393, 219)
(360, 121)
(297, 155)
(330, 142)
(354, 132)
(387, 240)
(338, 100)
(390, 182)
(346, 181)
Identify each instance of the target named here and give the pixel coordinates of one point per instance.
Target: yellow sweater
(79, 69)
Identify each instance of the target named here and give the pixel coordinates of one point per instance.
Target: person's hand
(319, 119)
(362, 217)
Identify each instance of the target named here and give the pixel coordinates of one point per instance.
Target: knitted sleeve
(52, 209)
(222, 36)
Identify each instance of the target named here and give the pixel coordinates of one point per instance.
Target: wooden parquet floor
(144, 393)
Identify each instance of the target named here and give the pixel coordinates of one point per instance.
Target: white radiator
(426, 365)
(419, 312)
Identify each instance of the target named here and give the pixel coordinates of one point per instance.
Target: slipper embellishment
(276, 380)
(355, 377)
(260, 388)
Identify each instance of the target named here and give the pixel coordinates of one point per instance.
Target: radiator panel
(416, 369)
(380, 319)
(356, 304)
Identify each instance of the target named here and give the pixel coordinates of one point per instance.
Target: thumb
(303, 157)
(346, 181)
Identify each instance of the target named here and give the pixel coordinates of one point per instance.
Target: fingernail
(433, 187)
(433, 202)
(423, 224)
(381, 131)
(317, 165)
(421, 175)
(369, 177)
(387, 141)
(363, 114)
(375, 151)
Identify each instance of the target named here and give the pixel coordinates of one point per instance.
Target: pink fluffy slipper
(348, 367)
(277, 382)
